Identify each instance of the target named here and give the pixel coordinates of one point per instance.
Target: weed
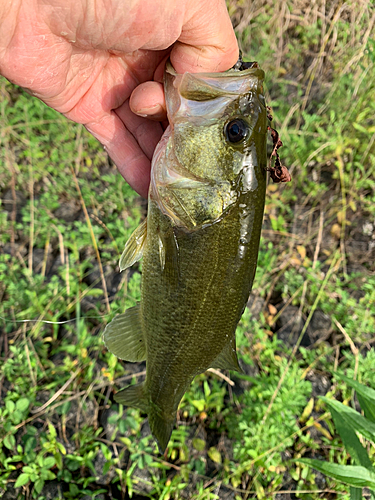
(349, 423)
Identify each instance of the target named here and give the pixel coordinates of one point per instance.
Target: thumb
(207, 42)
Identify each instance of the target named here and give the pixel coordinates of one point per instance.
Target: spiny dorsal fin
(227, 359)
(124, 337)
(133, 250)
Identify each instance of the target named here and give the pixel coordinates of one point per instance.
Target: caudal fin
(161, 428)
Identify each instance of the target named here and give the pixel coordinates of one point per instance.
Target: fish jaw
(204, 97)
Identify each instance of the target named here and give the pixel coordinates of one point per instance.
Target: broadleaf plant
(349, 423)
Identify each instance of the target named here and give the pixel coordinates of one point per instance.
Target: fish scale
(200, 241)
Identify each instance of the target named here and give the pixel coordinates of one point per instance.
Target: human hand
(101, 63)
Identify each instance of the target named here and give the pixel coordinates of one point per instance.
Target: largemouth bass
(199, 242)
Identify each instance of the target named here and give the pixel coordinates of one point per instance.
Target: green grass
(61, 434)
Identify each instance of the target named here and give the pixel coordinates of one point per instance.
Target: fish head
(214, 149)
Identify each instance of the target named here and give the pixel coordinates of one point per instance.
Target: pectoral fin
(227, 359)
(124, 337)
(133, 250)
(169, 257)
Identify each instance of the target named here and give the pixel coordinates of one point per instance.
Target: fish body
(199, 242)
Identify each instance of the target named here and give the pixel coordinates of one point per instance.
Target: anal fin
(134, 396)
(124, 337)
(227, 359)
(161, 426)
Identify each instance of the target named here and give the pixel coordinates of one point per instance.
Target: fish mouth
(245, 73)
(206, 87)
(204, 97)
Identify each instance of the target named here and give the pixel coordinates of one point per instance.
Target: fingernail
(153, 110)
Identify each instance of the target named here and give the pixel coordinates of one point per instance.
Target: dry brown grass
(324, 53)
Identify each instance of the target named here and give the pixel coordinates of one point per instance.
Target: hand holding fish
(101, 63)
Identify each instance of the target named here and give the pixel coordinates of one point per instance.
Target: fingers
(129, 139)
(207, 41)
(132, 162)
(146, 132)
(148, 100)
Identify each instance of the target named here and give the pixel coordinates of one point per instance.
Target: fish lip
(224, 74)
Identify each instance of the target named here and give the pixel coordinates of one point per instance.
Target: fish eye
(236, 130)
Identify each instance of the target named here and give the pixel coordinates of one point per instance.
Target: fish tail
(161, 428)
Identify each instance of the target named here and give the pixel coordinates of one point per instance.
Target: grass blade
(355, 493)
(352, 418)
(351, 441)
(367, 406)
(362, 389)
(365, 395)
(353, 475)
